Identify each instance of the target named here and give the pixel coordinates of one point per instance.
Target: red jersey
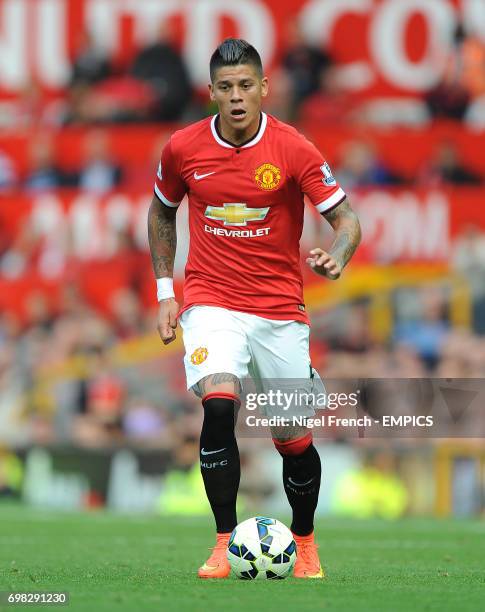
(245, 214)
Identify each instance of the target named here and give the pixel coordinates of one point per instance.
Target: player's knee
(223, 382)
(294, 446)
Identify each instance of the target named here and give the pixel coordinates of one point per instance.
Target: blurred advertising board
(390, 47)
(80, 237)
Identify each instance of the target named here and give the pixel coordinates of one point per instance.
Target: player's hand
(324, 264)
(167, 320)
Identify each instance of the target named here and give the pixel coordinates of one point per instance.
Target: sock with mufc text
(219, 458)
(301, 480)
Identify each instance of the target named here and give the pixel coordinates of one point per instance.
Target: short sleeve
(315, 177)
(169, 185)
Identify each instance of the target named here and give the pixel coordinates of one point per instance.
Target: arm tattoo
(347, 232)
(162, 237)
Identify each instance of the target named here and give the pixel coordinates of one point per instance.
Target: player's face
(238, 92)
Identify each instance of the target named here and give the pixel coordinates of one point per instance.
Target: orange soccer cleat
(307, 562)
(217, 565)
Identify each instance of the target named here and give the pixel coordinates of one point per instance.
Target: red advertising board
(136, 148)
(390, 47)
(74, 237)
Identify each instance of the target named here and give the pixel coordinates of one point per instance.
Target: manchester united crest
(267, 177)
(199, 355)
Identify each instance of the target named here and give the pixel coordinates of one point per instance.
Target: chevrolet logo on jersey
(235, 214)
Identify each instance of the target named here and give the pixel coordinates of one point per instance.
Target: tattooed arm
(162, 237)
(346, 226)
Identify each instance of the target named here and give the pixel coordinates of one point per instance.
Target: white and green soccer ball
(261, 548)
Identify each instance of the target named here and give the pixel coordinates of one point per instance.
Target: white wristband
(165, 288)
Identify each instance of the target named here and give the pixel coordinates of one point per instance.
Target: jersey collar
(250, 143)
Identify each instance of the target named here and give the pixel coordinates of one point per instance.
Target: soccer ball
(261, 548)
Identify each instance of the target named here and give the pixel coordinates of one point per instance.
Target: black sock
(301, 479)
(219, 460)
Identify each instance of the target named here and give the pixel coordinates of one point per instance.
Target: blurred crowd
(81, 376)
(423, 341)
(307, 84)
(359, 164)
(460, 95)
(85, 377)
(92, 381)
(98, 173)
(63, 377)
(154, 86)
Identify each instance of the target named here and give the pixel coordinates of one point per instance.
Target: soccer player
(245, 174)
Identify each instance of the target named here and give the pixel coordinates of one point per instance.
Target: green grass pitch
(109, 562)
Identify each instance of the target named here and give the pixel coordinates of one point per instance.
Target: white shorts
(221, 340)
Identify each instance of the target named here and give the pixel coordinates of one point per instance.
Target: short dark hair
(232, 52)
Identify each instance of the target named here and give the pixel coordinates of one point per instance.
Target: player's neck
(238, 137)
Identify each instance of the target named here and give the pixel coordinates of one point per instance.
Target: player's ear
(211, 92)
(264, 87)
